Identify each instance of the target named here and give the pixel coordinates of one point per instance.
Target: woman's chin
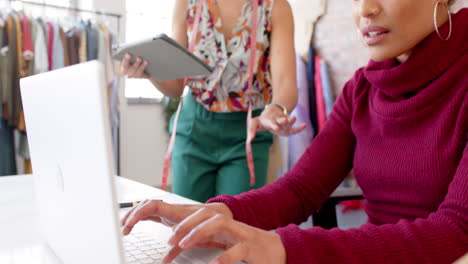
(379, 57)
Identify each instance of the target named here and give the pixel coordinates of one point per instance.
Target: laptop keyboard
(143, 249)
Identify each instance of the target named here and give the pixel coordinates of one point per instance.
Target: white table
(20, 238)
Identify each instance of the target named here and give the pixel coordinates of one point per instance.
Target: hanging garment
(41, 62)
(83, 50)
(26, 62)
(26, 57)
(28, 48)
(101, 56)
(23, 152)
(13, 66)
(66, 56)
(2, 35)
(328, 94)
(311, 84)
(321, 113)
(104, 47)
(33, 29)
(114, 108)
(115, 118)
(104, 53)
(4, 78)
(73, 44)
(7, 70)
(7, 150)
(23, 147)
(298, 143)
(41, 59)
(284, 146)
(31, 46)
(58, 55)
(93, 39)
(49, 41)
(50, 44)
(19, 44)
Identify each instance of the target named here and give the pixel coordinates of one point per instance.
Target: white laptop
(67, 121)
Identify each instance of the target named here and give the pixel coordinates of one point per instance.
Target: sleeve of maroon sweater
(441, 238)
(294, 197)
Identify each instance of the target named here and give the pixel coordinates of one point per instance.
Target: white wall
(143, 140)
(143, 143)
(110, 6)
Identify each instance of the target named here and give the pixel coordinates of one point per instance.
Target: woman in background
(401, 123)
(209, 155)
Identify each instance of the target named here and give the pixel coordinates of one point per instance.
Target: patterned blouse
(225, 89)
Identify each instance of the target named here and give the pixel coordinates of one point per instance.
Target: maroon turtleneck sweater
(403, 128)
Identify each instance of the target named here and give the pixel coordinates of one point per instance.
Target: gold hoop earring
(435, 21)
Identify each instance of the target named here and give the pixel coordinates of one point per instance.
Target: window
(146, 18)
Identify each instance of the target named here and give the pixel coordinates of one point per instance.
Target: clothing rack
(75, 9)
(118, 18)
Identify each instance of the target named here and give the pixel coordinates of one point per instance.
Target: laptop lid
(68, 125)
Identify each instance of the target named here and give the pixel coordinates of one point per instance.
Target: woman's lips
(373, 39)
(374, 34)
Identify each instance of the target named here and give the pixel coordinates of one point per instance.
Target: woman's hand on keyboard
(167, 214)
(209, 229)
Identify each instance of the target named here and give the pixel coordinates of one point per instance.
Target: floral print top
(226, 89)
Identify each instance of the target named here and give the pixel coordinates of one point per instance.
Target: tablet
(167, 59)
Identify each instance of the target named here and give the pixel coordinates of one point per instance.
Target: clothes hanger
(67, 21)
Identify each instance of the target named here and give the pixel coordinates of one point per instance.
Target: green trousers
(209, 156)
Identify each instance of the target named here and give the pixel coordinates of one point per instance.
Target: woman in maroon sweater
(401, 123)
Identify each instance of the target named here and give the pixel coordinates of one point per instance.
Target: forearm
(285, 93)
(423, 241)
(171, 88)
(283, 56)
(439, 238)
